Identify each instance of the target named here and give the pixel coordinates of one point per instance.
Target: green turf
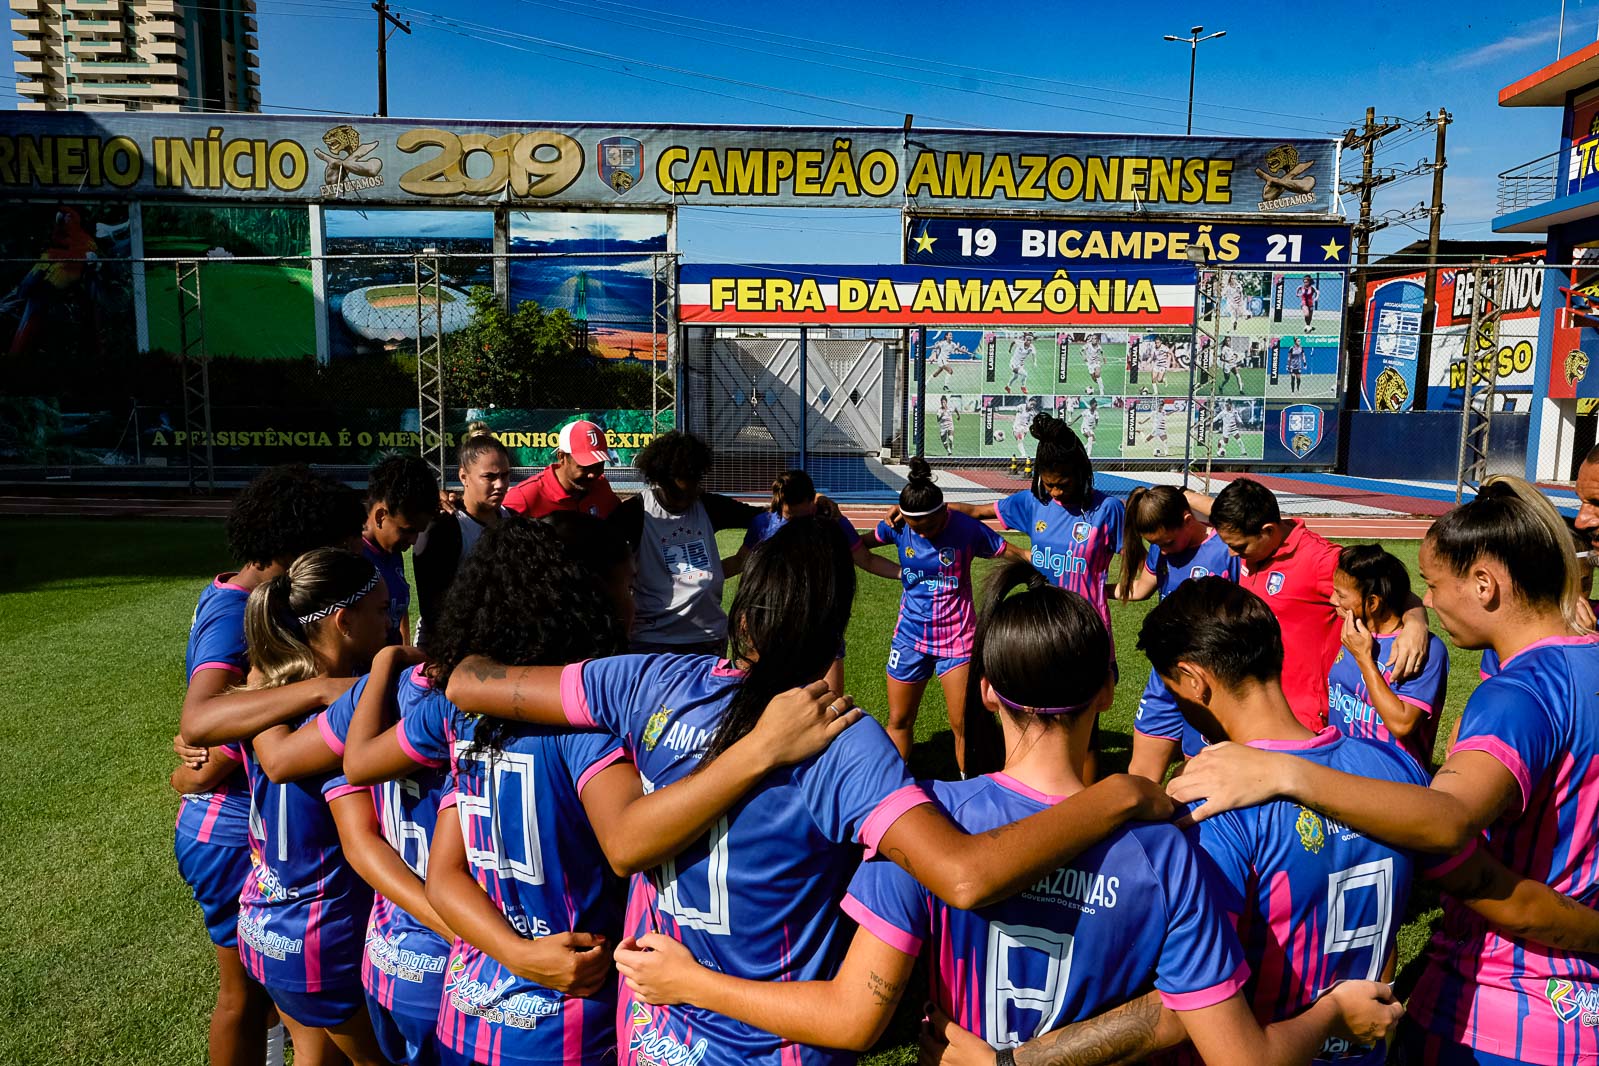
(109, 962)
(256, 310)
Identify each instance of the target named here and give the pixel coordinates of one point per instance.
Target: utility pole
(1429, 320)
(384, 19)
(1366, 140)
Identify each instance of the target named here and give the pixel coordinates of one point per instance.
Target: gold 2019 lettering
(537, 164)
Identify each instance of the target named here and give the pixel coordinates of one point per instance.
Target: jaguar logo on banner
(621, 162)
(1302, 427)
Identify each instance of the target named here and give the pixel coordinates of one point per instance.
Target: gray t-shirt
(678, 589)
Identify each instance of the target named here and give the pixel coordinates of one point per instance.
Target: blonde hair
(282, 613)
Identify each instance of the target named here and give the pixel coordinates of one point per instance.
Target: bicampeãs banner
(393, 161)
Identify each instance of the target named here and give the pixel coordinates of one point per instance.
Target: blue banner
(1012, 242)
(1394, 312)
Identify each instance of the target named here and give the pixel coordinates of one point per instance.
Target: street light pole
(1193, 60)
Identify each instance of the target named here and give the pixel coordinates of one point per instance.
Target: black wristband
(1005, 1057)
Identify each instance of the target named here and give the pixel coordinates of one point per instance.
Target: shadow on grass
(933, 759)
(38, 552)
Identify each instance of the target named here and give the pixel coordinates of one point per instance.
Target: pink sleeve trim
(229, 667)
(881, 927)
(343, 790)
(574, 701)
(232, 751)
(1414, 702)
(605, 762)
(886, 813)
(334, 743)
(1208, 997)
(1157, 736)
(1483, 674)
(1453, 862)
(1506, 755)
(411, 751)
(999, 517)
(447, 800)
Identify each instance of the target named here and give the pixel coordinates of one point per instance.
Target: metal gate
(742, 395)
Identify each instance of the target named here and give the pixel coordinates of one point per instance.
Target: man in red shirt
(574, 482)
(1291, 568)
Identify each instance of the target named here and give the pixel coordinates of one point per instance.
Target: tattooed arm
(1520, 906)
(1129, 1033)
(850, 1011)
(480, 685)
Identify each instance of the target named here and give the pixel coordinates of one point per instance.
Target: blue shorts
(323, 1009)
(1415, 1046)
(908, 665)
(216, 873)
(404, 1037)
(1158, 716)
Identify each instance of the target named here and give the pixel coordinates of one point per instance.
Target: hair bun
(920, 469)
(1047, 427)
(478, 429)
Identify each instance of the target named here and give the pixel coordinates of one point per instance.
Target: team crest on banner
(1302, 428)
(1080, 532)
(621, 162)
(1274, 582)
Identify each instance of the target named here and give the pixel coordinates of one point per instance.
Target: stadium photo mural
(57, 296)
(371, 273)
(255, 282)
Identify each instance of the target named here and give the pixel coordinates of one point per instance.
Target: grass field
(257, 310)
(109, 963)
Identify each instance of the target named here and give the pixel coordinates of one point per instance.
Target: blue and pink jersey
(1071, 547)
(1350, 709)
(936, 614)
(392, 566)
(403, 967)
(1158, 715)
(530, 846)
(766, 523)
(1130, 913)
(303, 911)
(1316, 902)
(1498, 995)
(216, 642)
(758, 896)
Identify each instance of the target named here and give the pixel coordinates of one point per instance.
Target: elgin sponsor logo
(1050, 561)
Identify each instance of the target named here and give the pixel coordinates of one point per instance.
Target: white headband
(348, 601)
(920, 514)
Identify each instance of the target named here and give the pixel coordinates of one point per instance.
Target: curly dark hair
(289, 510)
(522, 600)
(674, 456)
(406, 485)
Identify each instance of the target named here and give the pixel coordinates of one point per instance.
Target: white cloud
(1538, 35)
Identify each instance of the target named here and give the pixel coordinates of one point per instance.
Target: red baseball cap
(585, 443)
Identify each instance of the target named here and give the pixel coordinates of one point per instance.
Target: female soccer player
(1370, 591)
(303, 912)
(1094, 361)
(1157, 431)
(1075, 529)
(1180, 547)
(757, 896)
(1296, 364)
(1309, 292)
(1021, 422)
(485, 473)
(794, 496)
(285, 511)
(402, 499)
(946, 424)
(1499, 571)
(936, 545)
(1131, 911)
(1021, 357)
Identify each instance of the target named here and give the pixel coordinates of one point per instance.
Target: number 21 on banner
(1278, 245)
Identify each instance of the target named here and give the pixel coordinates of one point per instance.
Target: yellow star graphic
(924, 241)
(1332, 248)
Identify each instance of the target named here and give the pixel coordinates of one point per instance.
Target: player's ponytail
(1150, 510)
(792, 488)
(283, 613)
(1512, 523)
(787, 620)
(1044, 651)
(480, 441)
(921, 494)
(1061, 453)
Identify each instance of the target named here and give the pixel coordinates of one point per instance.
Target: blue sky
(1282, 69)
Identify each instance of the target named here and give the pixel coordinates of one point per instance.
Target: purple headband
(1043, 710)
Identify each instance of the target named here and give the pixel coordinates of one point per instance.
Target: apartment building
(136, 55)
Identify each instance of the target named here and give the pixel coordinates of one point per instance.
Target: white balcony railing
(1530, 184)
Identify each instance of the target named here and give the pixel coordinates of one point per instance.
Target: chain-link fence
(205, 370)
